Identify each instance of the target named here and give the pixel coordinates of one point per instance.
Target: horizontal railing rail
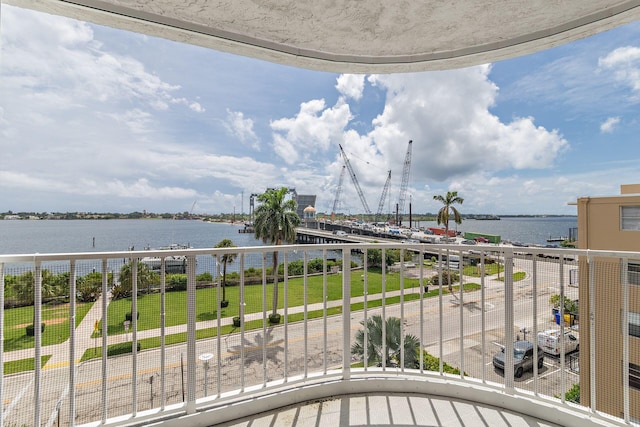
(118, 338)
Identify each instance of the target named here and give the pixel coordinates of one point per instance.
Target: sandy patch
(55, 321)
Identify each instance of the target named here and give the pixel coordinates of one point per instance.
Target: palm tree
(275, 222)
(226, 258)
(393, 340)
(444, 215)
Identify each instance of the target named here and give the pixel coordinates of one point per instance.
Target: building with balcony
(610, 293)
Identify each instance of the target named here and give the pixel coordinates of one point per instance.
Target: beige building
(610, 223)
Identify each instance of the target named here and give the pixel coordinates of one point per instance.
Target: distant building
(610, 223)
(303, 201)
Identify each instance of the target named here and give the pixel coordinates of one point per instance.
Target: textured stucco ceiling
(358, 36)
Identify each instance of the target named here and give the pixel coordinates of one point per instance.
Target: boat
(175, 264)
(557, 239)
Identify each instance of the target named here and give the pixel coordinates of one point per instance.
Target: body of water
(61, 236)
(532, 231)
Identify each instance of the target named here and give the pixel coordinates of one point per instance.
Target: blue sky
(102, 120)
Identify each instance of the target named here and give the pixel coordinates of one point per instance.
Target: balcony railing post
(105, 343)
(625, 339)
(461, 310)
(191, 334)
(346, 313)
(562, 337)
(534, 280)
(37, 321)
(508, 320)
(1, 338)
(163, 323)
(592, 333)
(134, 336)
(72, 342)
(402, 355)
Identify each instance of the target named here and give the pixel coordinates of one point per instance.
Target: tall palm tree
(226, 258)
(444, 214)
(275, 222)
(393, 343)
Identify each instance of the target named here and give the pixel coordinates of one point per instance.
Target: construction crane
(383, 197)
(355, 181)
(338, 191)
(405, 182)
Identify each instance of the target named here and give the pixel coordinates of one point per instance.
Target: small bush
(432, 363)
(30, 330)
(129, 317)
(204, 277)
(435, 280)
(177, 282)
(118, 292)
(122, 348)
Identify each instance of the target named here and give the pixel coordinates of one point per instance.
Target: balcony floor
(389, 409)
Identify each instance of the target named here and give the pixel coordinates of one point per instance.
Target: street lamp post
(205, 357)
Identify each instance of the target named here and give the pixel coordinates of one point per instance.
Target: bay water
(63, 236)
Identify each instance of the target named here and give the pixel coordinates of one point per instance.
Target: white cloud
(195, 106)
(625, 64)
(242, 129)
(447, 116)
(351, 85)
(609, 125)
(313, 129)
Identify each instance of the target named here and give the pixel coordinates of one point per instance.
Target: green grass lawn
(23, 365)
(154, 342)
(56, 318)
(206, 299)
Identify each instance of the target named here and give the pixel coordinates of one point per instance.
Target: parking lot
(479, 365)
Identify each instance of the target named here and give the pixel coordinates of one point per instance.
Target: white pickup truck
(549, 341)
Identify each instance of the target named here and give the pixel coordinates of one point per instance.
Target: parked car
(549, 340)
(481, 240)
(522, 358)
(468, 242)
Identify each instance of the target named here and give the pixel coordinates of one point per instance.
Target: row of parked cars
(549, 341)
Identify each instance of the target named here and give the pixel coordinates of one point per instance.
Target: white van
(549, 341)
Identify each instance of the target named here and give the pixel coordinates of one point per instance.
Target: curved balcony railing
(158, 346)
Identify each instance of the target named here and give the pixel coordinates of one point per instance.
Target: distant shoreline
(225, 218)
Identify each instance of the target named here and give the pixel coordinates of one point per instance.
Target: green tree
(226, 259)
(275, 222)
(393, 340)
(124, 289)
(374, 257)
(89, 287)
(444, 215)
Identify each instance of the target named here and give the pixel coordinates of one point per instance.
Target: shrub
(122, 348)
(177, 282)
(129, 316)
(118, 292)
(435, 280)
(432, 363)
(204, 277)
(573, 395)
(30, 330)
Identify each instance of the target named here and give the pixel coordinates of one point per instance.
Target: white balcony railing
(193, 361)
